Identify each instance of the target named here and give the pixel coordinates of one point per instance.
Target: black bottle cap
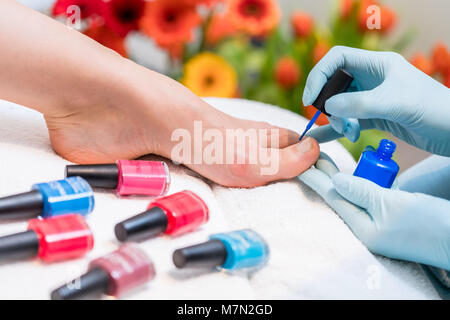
(97, 175)
(337, 84)
(93, 283)
(18, 246)
(204, 255)
(143, 226)
(22, 206)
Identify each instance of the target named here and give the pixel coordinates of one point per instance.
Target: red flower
(441, 58)
(287, 73)
(320, 50)
(345, 9)
(108, 38)
(122, 16)
(169, 22)
(387, 16)
(202, 2)
(422, 63)
(257, 17)
(87, 7)
(219, 29)
(303, 24)
(447, 80)
(176, 50)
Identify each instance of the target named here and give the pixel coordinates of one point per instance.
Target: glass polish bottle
(377, 165)
(114, 274)
(53, 239)
(174, 215)
(127, 177)
(49, 199)
(234, 250)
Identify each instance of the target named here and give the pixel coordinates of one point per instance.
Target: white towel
(313, 253)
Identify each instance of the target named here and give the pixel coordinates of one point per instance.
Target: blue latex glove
(393, 223)
(430, 176)
(389, 94)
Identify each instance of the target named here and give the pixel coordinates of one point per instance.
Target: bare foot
(138, 114)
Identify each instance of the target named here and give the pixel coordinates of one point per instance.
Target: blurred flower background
(248, 48)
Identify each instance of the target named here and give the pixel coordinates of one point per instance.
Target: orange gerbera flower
(169, 21)
(176, 50)
(287, 73)
(107, 37)
(219, 29)
(421, 62)
(303, 24)
(257, 17)
(209, 75)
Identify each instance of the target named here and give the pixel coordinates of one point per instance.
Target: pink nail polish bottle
(127, 177)
(113, 274)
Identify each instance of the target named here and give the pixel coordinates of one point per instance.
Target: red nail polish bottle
(176, 214)
(113, 274)
(128, 177)
(53, 239)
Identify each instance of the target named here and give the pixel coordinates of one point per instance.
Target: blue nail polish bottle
(71, 195)
(234, 250)
(378, 166)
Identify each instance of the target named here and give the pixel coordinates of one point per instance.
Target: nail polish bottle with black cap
(53, 239)
(49, 199)
(176, 214)
(239, 249)
(338, 83)
(113, 274)
(127, 177)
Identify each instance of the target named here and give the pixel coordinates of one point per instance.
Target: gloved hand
(388, 94)
(393, 223)
(430, 176)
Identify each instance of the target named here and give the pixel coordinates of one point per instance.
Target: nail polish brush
(338, 83)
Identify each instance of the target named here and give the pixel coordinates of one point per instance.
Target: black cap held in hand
(97, 175)
(22, 206)
(17, 246)
(93, 283)
(209, 254)
(143, 226)
(337, 84)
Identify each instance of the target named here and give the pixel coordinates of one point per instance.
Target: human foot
(142, 110)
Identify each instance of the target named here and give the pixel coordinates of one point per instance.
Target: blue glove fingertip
(352, 130)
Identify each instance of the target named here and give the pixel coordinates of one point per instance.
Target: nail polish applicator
(233, 250)
(49, 199)
(338, 83)
(127, 177)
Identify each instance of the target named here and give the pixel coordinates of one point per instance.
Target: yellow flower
(209, 75)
